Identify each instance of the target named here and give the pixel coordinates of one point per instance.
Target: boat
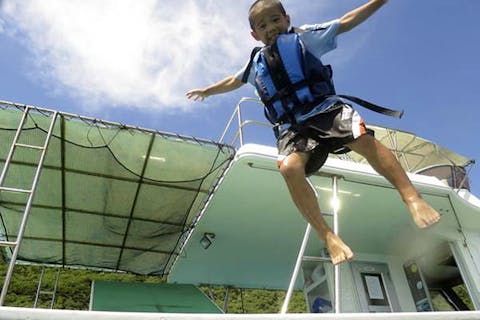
(109, 196)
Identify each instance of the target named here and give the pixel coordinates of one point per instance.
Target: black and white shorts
(327, 132)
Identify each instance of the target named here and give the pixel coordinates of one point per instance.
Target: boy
(309, 119)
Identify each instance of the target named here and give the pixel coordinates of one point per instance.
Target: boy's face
(268, 23)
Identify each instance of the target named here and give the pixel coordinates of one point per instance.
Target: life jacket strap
(281, 80)
(246, 73)
(289, 90)
(373, 107)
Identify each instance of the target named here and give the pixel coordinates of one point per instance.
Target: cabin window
(451, 299)
(375, 289)
(456, 177)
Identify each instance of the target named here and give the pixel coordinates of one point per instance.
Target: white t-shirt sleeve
(320, 38)
(239, 73)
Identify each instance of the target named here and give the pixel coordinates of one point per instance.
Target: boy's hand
(358, 15)
(228, 84)
(196, 94)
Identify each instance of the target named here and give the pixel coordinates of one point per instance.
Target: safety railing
(241, 123)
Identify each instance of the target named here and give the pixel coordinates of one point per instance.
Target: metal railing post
(335, 205)
(238, 113)
(229, 123)
(298, 263)
(300, 256)
(240, 131)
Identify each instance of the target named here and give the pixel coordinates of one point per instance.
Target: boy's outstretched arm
(228, 84)
(357, 16)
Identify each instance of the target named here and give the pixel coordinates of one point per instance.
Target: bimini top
(414, 153)
(109, 196)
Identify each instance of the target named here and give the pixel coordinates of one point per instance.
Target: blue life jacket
(291, 81)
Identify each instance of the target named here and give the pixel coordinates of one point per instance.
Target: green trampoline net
(109, 196)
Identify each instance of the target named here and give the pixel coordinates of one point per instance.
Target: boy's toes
(343, 257)
(338, 250)
(422, 213)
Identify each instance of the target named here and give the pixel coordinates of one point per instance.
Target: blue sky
(132, 61)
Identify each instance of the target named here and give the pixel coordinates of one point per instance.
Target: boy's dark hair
(276, 3)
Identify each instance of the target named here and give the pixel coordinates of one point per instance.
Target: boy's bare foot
(338, 250)
(422, 213)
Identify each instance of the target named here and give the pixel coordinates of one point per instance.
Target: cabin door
(374, 287)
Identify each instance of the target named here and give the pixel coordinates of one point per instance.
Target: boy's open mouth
(273, 38)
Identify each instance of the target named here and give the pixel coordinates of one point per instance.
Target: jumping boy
(309, 119)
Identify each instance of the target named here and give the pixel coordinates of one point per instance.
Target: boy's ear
(254, 35)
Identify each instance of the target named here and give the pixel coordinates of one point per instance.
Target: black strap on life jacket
(372, 106)
(246, 73)
(286, 90)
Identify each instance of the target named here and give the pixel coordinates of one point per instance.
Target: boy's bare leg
(293, 171)
(384, 162)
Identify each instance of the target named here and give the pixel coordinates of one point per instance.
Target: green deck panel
(149, 297)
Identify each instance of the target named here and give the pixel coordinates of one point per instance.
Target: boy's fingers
(194, 95)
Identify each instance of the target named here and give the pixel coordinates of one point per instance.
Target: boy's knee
(291, 167)
(366, 146)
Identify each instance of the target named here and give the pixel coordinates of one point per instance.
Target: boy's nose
(272, 32)
(271, 28)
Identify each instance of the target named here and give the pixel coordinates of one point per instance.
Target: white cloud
(128, 52)
(2, 22)
(144, 53)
